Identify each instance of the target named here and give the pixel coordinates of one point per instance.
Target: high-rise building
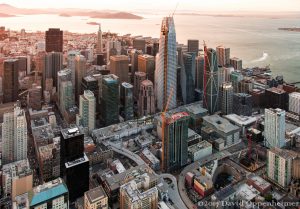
(146, 64)
(66, 96)
(14, 136)
(279, 166)
(34, 97)
(80, 72)
(17, 178)
(74, 163)
(119, 66)
(210, 82)
(187, 77)
(110, 99)
(95, 198)
(175, 142)
(126, 98)
(99, 40)
(62, 76)
(226, 97)
(53, 64)
(275, 127)
(277, 98)
(223, 54)
(87, 110)
(294, 102)
(71, 63)
(236, 63)
(146, 102)
(134, 59)
(199, 72)
(242, 104)
(10, 80)
(54, 40)
(53, 194)
(113, 47)
(139, 77)
(138, 193)
(235, 78)
(166, 65)
(139, 44)
(193, 46)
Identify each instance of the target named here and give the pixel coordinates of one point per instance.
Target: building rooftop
(71, 132)
(199, 146)
(78, 161)
(276, 90)
(260, 182)
(17, 169)
(96, 194)
(127, 85)
(146, 152)
(220, 123)
(241, 120)
(246, 192)
(282, 153)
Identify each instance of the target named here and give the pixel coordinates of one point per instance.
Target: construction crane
(163, 120)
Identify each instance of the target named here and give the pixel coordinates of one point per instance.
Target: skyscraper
(294, 102)
(139, 44)
(126, 99)
(199, 72)
(176, 140)
(242, 104)
(119, 66)
(193, 46)
(113, 47)
(236, 63)
(138, 78)
(99, 40)
(80, 72)
(146, 102)
(226, 98)
(10, 80)
(54, 40)
(65, 87)
(210, 82)
(110, 99)
(134, 59)
(53, 64)
(166, 65)
(223, 54)
(275, 127)
(14, 136)
(187, 77)
(87, 110)
(71, 63)
(146, 64)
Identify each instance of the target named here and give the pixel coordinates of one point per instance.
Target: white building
(294, 102)
(166, 65)
(275, 127)
(14, 136)
(87, 110)
(279, 166)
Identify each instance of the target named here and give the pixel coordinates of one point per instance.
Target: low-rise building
(199, 150)
(95, 198)
(150, 159)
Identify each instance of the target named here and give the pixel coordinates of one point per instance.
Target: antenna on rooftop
(175, 9)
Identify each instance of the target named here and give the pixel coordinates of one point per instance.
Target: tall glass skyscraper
(166, 65)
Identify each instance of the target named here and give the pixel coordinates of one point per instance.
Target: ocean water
(255, 40)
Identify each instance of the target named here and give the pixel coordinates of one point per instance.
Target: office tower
(223, 54)
(226, 97)
(294, 102)
(17, 178)
(66, 96)
(100, 59)
(119, 66)
(146, 64)
(80, 72)
(139, 44)
(279, 166)
(146, 102)
(95, 198)
(236, 63)
(175, 142)
(166, 65)
(210, 82)
(23, 66)
(54, 40)
(14, 136)
(277, 98)
(71, 63)
(63, 75)
(10, 80)
(242, 104)
(110, 99)
(199, 72)
(34, 97)
(74, 163)
(113, 47)
(53, 64)
(88, 54)
(187, 77)
(126, 98)
(53, 194)
(193, 46)
(235, 78)
(92, 84)
(87, 110)
(138, 193)
(99, 40)
(138, 78)
(134, 54)
(275, 127)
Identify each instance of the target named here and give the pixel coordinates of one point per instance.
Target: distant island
(290, 29)
(92, 23)
(11, 11)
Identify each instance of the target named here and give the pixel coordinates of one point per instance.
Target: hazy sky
(200, 5)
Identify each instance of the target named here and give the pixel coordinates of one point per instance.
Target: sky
(135, 5)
